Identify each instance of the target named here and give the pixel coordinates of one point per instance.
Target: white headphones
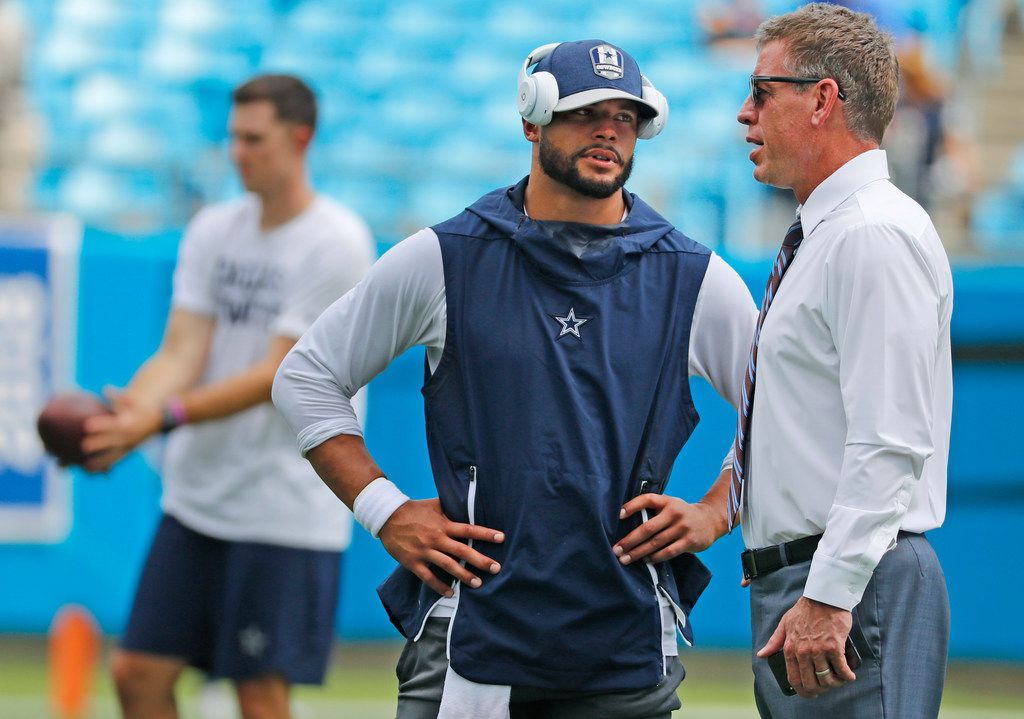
(538, 96)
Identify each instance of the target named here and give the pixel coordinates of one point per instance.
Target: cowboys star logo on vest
(607, 62)
(570, 324)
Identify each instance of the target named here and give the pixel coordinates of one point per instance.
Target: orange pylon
(74, 657)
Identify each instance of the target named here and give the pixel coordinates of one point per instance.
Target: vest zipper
(657, 587)
(645, 516)
(471, 499)
(457, 586)
(471, 502)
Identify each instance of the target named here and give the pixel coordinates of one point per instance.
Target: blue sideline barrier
(124, 288)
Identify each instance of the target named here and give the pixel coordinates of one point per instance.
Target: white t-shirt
(240, 478)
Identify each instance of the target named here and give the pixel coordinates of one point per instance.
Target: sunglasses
(757, 95)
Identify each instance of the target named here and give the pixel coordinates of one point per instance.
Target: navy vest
(561, 393)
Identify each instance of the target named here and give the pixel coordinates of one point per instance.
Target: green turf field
(362, 685)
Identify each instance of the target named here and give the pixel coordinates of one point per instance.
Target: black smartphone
(852, 655)
(777, 663)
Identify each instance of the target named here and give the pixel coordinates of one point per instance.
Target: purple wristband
(174, 414)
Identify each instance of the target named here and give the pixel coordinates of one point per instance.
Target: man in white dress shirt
(851, 389)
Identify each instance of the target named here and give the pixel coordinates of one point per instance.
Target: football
(61, 424)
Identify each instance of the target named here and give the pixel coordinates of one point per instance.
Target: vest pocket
(680, 616)
(686, 575)
(457, 585)
(642, 488)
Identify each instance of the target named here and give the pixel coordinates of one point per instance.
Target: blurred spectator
(942, 141)
(19, 130)
(931, 152)
(729, 26)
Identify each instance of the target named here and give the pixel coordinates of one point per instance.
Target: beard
(564, 169)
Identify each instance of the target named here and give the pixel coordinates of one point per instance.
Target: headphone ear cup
(538, 95)
(651, 127)
(526, 100)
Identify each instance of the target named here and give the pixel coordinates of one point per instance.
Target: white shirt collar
(863, 169)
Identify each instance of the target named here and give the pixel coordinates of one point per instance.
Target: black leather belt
(759, 562)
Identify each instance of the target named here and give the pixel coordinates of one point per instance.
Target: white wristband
(376, 503)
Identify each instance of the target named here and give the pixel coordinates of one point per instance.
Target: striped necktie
(794, 237)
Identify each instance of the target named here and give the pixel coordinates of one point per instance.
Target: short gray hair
(824, 40)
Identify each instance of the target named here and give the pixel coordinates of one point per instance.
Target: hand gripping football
(61, 424)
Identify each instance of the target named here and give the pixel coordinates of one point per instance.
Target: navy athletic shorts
(239, 610)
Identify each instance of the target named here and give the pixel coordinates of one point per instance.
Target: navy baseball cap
(589, 71)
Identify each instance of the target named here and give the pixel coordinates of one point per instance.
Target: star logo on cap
(570, 324)
(607, 62)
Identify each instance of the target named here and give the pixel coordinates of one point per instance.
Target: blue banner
(38, 299)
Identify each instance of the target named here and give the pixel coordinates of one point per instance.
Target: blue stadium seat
(938, 23)
(101, 96)
(700, 218)
(68, 53)
(474, 71)
(411, 118)
(433, 201)
(107, 22)
(422, 24)
(388, 66)
(210, 177)
(38, 15)
(409, 92)
(233, 27)
(137, 202)
(127, 144)
(180, 60)
(318, 31)
(692, 78)
(640, 33)
(521, 28)
(997, 221)
(369, 10)
(380, 200)
(315, 19)
(468, 157)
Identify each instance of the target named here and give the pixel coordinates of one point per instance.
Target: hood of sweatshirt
(573, 251)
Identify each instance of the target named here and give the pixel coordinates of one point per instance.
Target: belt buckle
(752, 556)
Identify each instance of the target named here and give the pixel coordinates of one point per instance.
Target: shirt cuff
(836, 583)
(316, 434)
(727, 462)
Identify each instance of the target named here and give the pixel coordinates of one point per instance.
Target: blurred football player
(242, 577)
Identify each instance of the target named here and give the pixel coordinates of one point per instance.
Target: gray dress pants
(900, 628)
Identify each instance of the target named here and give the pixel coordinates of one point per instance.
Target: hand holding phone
(777, 663)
